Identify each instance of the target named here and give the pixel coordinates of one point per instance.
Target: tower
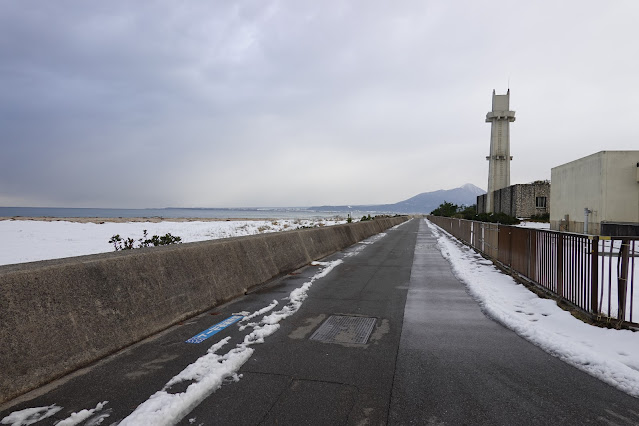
(499, 159)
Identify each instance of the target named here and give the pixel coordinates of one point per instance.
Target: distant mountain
(425, 202)
(474, 189)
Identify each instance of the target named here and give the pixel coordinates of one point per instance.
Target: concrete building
(597, 194)
(520, 200)
(516, 200)
(499, 159)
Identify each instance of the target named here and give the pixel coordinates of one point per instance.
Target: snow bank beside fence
(608, 354)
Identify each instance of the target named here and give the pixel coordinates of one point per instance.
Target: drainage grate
(345, 329)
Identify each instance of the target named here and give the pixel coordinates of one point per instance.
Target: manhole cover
(345, 329)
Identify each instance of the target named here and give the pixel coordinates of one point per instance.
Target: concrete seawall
(60, 315)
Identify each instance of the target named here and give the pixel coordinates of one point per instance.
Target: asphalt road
(432, 357)
(458, 367)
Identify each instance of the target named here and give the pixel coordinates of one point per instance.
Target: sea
(171, 213)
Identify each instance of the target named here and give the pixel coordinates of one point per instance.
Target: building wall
(605, 182)
(521, 200)
(502, 200)
(526, 199)
(481, 203)
(621, 187)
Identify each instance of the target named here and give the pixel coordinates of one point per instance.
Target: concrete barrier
(57, 316)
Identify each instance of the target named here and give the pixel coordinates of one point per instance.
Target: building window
(540, 202)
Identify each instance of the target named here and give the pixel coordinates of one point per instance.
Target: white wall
(605, 182)
(621, 191)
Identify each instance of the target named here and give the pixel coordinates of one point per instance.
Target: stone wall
(481, 203)
(521, 200)
(526, 199)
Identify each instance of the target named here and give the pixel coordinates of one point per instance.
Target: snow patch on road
(205, 375)
(80, 416)
(208, 372)
(373, 239)
(242, 324)
(30, 416)
(401, 224)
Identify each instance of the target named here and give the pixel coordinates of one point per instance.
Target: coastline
(100, 220)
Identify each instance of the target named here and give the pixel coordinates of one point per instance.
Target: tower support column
(499, 159)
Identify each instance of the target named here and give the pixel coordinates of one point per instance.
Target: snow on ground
(30, 416)
(609, 269)
(207, 373)
(608, 354)
(608, 272)
(32, 240)
(82, 415)
(534, 225)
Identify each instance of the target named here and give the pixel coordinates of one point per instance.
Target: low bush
(544, 217)
(502, 218)
(120, 243)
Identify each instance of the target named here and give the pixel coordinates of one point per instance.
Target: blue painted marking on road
(215, 329)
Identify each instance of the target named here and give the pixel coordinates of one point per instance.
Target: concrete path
(456, 366)
(432, 358)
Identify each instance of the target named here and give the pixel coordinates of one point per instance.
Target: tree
(470, 213)
(467, 212)
(445, 209)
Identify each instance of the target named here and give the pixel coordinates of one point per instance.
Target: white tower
(499, 159)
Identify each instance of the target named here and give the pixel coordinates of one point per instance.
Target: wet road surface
(432, 357)
(456, 366)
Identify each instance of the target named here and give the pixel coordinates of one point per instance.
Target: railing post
(510, 247)
(594, 276)
(560, 265)
(624, 258)
(532, 264)
(528, 253)
(472, 234)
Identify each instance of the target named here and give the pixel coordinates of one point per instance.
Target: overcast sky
(297, 103)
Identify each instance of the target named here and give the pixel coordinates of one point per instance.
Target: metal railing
(595, 274)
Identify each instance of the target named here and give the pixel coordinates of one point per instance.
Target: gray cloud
(286, 103)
